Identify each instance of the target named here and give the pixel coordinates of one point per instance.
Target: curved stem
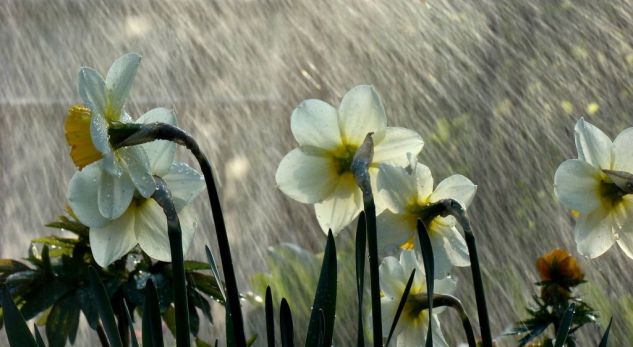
(162, 131)
(163, 198)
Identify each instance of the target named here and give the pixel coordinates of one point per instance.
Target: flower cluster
(111, 193)
(320, 172)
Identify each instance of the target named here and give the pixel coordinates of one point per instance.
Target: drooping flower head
(318, 172)
(143, 221)
(597, 186)
(124, 170)
(406, 194)
(413, 323)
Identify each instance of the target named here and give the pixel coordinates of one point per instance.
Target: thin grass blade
(565, 324)
(285, 324)
(321, 326)
(270, 319)
(605, 338)
(429, 270)
(361, 246)
(105, 309)
(403, 301)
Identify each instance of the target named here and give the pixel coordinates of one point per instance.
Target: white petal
(188, 224)
(99, 133)
(92, 90)
(394, 230)
(446, 285)
(594, 233)
(423, 182)
(441, 262)
(315, 123)
(438, 337)
(110, 163)
(622, 153)
(114, 195)
(397, 143)
(413, 336)
(449, 248)
(577, 185)
(306, 177)
(184, 183)
(340, 208)
(360, 113)
(83, 197)
(114, 240)
(456, 187)
(392, 278)
(396, 187)
(137, 166)
(410, 262)
(625, 220)
(388, 308)
(161, 153)
(593, 145)
(151, 230)
(119, 81)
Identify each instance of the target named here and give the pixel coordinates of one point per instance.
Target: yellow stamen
(408, 244)
(77, 129)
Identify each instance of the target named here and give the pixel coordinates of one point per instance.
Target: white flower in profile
(406, 193)
(412, 326)
(124, 169)
(597, 186)
(318, 172)
(143, 221)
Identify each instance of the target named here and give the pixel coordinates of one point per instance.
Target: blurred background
(494, 87)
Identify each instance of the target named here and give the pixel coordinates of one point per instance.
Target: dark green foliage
(564, 326)
(429, 270)
(285, 325)
(17, 330)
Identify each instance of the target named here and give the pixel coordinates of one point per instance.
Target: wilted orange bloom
(558, 266)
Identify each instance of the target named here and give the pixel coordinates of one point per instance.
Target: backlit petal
(113, 240)
(184, 183)
(423, 182)
(394, 230)
(593, 145)
(392, 277)
(137, 166)
(151, 230)
(119, 81)
(360, 113)
(114, 194)
(306, 177)
(623, 155)
(160, 153)
(92, 90)
(594, 233)
(340, 208)
(396, 187)
(456, 187)
(315, 123)
(577, 185)
(83, 197)
(393, 148)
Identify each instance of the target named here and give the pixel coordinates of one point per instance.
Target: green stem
(162, 131)
(163, 198)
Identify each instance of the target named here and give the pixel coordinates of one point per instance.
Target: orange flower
(560, 267)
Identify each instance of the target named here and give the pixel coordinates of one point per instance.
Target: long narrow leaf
(403, 301)
(361, 246)
(214, 270)
(565, 324)
(38, 336)
(285, 324)
(152, 329)
(605, 338)
(321, 326)
(133, 339)
(429, 270)
(105, 309)
(17, 331)
(270, 320)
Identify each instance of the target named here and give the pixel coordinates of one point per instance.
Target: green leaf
(206, 284)
(17, 331)
(605, 338)
(361, 246)
(87, 303)
(152, 331)
(565, 324)
(251, 340)
(201, 343)
(55, 241)
(321, 326)
(130, 324)
(191, 265)
(214, 271)
(429, 269)
(270, 320)
(63, 222)
(10, 266)
(63, 321)
(285, 322)
(102, 301)
(43, 296)
(403, 301)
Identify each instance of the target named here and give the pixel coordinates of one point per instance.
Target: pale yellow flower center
(77, 129)
(343, 157)
(610, 194)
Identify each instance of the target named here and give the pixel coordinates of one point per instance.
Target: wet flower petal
(306, 177)
(315, 123)
(395, 145)
(594, 233)
(577, 185)
(114, 195)
(397, 188)
(341, 207)
(456, 187)
(114, 240)
(161, 153)
(593, 145)
(83, 196)
(360, 113)
(118, 83)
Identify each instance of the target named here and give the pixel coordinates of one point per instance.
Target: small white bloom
(143, 221)
(125, 168)
(406, 194)
(606, 211)
(412, 326)
(318, 172)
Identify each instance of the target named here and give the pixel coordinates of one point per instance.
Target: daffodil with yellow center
(407, 193)
(597, 186)
(412, 326)
(124, 170)
(318, 172)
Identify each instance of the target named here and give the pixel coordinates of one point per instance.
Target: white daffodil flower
(87, 133)
(592, 186)
(318, 172)
(143, 221)
(406, 192)
(412, 326)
